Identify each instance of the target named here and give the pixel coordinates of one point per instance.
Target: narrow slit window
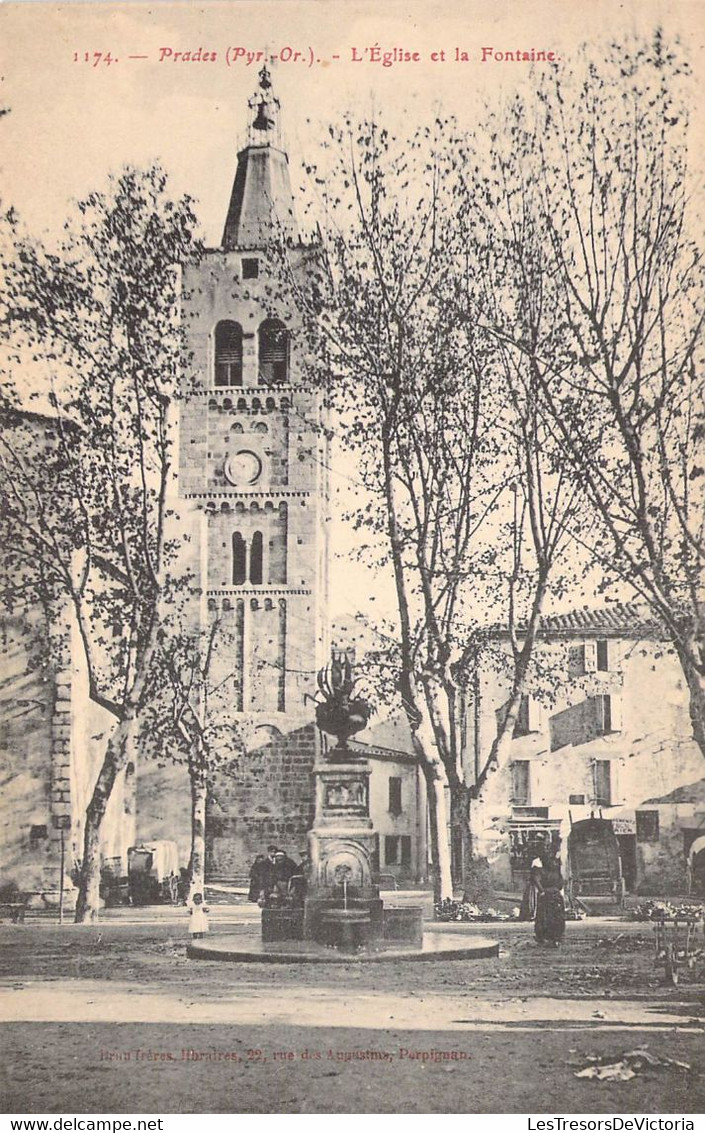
(256, 559)
(239, 573)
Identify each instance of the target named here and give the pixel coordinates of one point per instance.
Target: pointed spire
(261, 203)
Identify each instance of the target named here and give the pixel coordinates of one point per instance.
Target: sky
(93, 86)
(72, 120)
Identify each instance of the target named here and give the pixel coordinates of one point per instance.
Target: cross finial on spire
(264, 112)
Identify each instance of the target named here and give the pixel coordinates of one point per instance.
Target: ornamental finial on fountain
(340, 714)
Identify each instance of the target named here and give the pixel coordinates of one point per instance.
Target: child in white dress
(199, 917)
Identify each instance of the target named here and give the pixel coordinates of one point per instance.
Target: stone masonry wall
(266, 796)
(26, 727)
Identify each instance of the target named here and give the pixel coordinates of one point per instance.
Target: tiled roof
(12, 415)
(621, 616)
(691, 793)
(618, 619)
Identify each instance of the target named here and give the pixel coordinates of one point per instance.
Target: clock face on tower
(243, 468)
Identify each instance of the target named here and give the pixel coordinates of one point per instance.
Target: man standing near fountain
(282, 871)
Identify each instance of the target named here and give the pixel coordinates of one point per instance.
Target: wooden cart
(153, 873)
(594, 865)
(676, 944)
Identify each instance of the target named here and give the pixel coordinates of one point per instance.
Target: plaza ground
(114, 1018)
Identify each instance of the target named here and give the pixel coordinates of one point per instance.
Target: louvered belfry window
(228, 354)
(273, 352)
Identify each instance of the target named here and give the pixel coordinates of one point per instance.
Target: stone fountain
(343, 907)
(343, 916)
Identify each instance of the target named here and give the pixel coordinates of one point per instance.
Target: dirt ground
(116, 1019)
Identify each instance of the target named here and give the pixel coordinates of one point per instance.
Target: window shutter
(615, 797)
(395, 794)
(521, 782)
(616, 712)
(534, 715)
(619, 778)
(391, 849)
(602, 781)
(590, 656)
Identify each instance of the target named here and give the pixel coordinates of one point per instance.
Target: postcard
(352, 708)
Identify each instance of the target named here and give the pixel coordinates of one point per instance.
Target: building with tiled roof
(604, 726)
(617, 619)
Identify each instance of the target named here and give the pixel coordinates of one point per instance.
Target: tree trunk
(128, 832)
(460, 840)
(199, 796)
(116, 756)
(696, 695)
(88, 899)
(437, 821)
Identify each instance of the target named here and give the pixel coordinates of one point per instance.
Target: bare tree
(184, 720)
(599, 167)
(453, 489)
(506, 293)
(100, 315)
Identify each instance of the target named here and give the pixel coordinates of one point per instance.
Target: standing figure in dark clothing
(550, 911)
(534, 887)
(283, 870)
(298, 882)
(259, 878)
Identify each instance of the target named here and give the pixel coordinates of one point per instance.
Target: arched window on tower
(273, 352)
(256, 559)
(239, 573)
(228, 354)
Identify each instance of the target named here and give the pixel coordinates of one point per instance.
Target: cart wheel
(671, 966)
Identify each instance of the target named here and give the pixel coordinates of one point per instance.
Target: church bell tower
(253, 473)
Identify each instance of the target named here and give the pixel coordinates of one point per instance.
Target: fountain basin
(345, 928)
(282, 924)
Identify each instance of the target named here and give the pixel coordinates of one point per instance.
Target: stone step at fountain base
(249, 948)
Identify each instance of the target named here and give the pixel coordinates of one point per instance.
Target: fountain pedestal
(343, 907)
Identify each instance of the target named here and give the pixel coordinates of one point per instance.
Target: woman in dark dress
(549, 927)
(534, 887)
